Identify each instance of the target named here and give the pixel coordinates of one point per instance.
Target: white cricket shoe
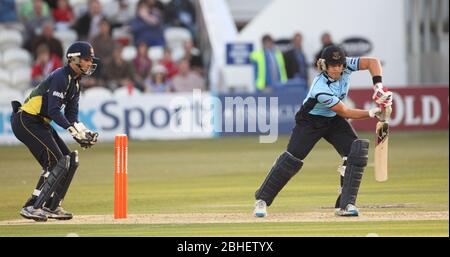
(349, 211)
(260, 209)
(29, 212)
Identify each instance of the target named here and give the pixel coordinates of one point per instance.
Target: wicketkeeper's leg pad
(284, 168)
(61, 188)
(356, 162)
(54, 179)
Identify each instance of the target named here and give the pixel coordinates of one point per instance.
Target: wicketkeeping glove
(82, 135)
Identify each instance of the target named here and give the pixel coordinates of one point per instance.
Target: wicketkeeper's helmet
(83, 50)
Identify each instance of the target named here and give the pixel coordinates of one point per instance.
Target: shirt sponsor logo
(328, 101)
(58, 94)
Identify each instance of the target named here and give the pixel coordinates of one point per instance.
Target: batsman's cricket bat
(381, 147)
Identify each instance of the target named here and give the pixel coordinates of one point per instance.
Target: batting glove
(382, 95)
(376, 112)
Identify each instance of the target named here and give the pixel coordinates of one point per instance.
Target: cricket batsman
(30, 123)
(324, 115)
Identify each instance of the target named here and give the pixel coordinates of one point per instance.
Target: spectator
(146, 26)
(8, 11)
(296, 63)
(186, 80)
(33, 8)
(168, 63)
(46, 37)
(181, 13)
(45, 63)
(326, 41)
(142, 63)
(88, 25)
(103, 43)
(63, 14)
(159, 6)
(118, 72)
(269, 65)
(122, 16)
(35, 19)
(157, 81)
(194, 56)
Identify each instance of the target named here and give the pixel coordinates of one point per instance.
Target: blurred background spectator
(63, 15)
(123, 15)
(194, 56)
(168, 63)
(103, 43)
(326, 41)
(186, 79)
(147, 25)
(142, 64)
(117, 72)
(32, 8)
(296, 62)
(181, 13)
(44, 64)
(156, 81)
(88, 25)
(269, 65)
(34, 14)
(46, 37)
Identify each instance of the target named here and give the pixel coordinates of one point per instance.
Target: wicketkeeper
(30, 123)
(324, 115)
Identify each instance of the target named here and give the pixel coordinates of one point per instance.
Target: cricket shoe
(29, 212)
(260, 209)
(349, 211)
(58, 214)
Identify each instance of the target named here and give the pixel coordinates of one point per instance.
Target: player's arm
(372, 64)
(56, 94)
(71, 110)
(357, 114)
(381, 94)
(85, 137)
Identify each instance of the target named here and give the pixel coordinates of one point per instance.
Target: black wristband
(376, 79)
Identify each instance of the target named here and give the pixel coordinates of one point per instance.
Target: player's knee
(359, 153)
(290, 163)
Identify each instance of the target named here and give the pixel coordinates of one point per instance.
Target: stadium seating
(9, 95)
(5, 78)
(176, 36)
(156, 53)
(16, 58)
(66, 36)
(21, 78)
(129, 53)
(10, 38)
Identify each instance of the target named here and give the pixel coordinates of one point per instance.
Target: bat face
(381, 151)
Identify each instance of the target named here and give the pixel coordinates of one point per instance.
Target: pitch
(199, 187)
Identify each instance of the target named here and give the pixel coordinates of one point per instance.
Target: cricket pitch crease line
(217, 218)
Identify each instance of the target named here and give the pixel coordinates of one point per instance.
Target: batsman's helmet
(331, 55)
(82, 50)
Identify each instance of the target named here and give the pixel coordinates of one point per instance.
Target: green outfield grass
(221, 176)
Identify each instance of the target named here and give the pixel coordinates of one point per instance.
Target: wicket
(120, 177)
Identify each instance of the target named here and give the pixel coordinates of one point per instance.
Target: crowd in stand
(275, 69)
(112, 27)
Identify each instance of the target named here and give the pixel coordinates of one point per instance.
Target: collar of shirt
(71, 72)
